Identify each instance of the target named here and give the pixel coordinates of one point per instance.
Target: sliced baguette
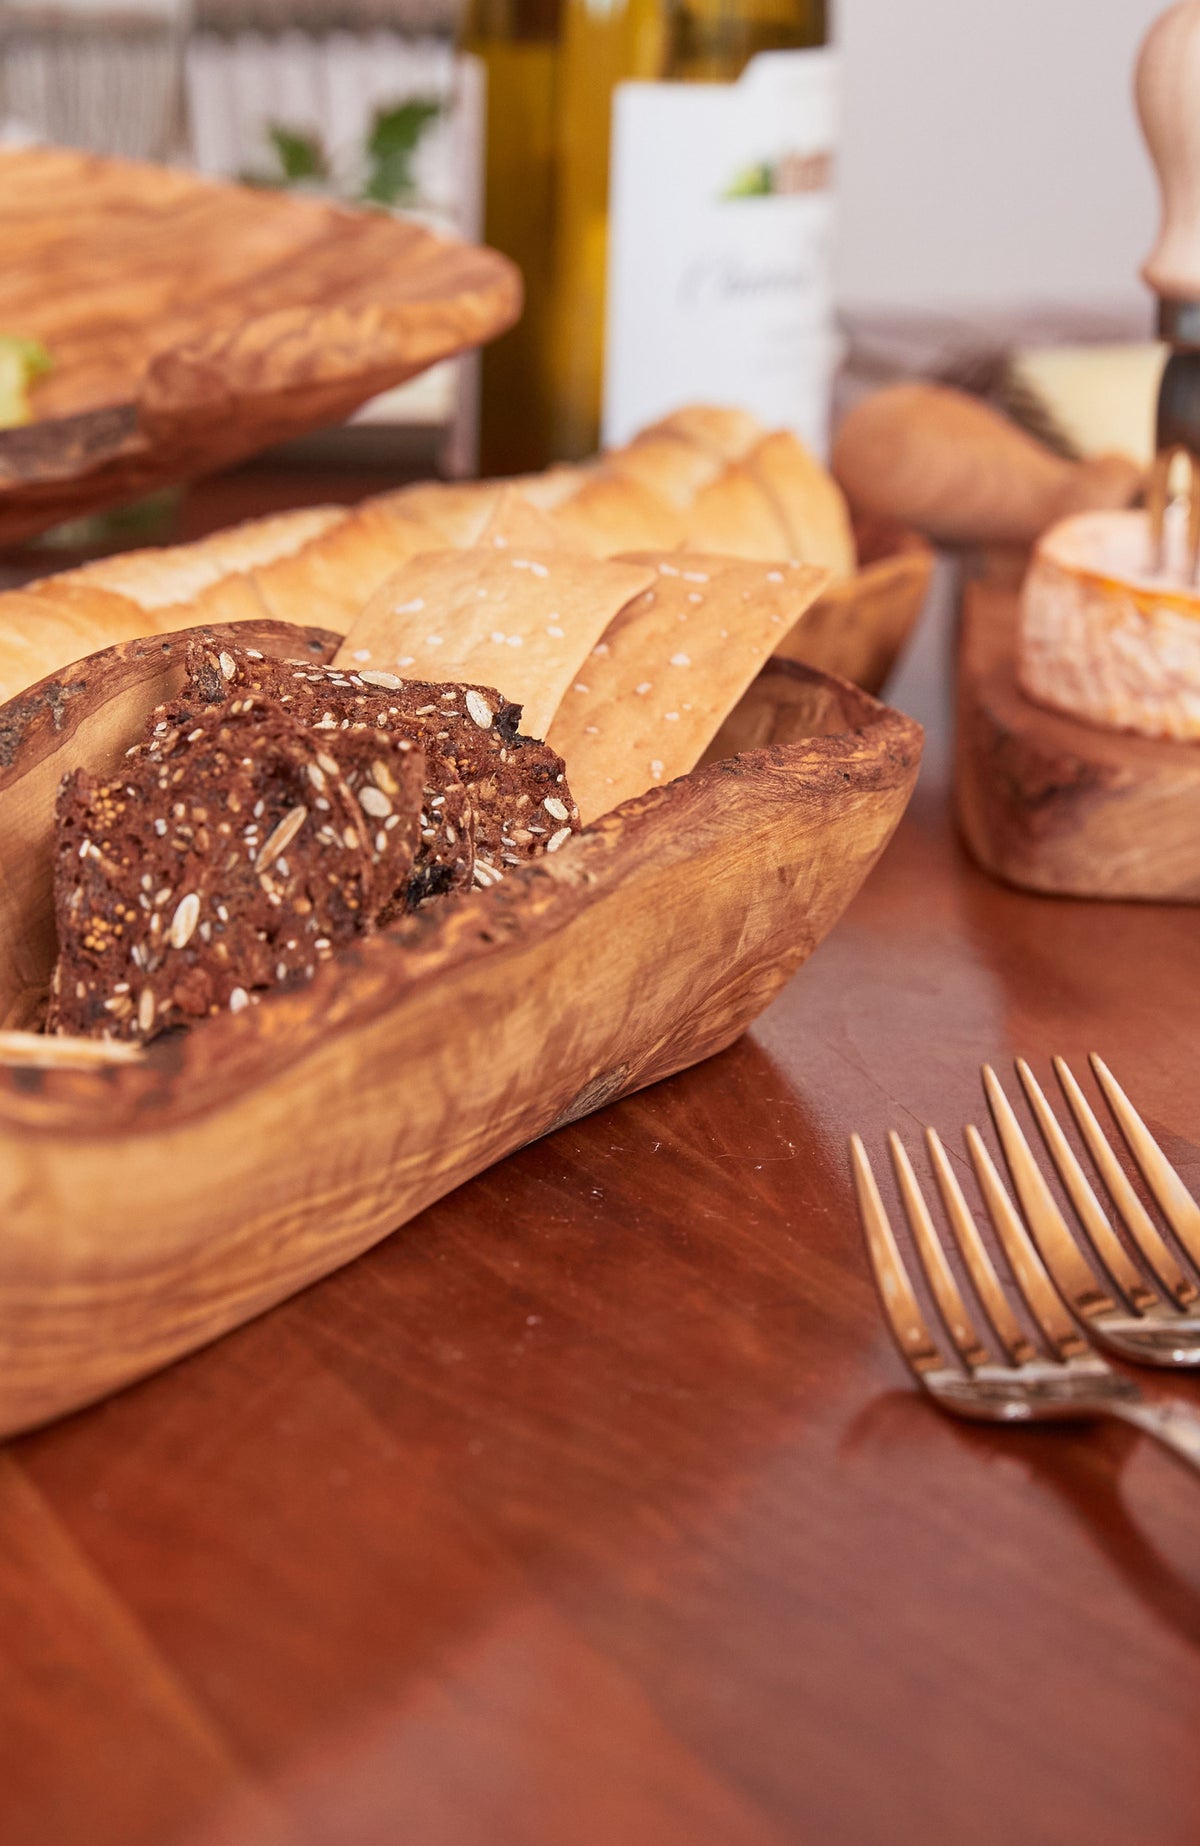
(706, 479)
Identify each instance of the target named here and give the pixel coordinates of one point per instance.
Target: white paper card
(720, 260)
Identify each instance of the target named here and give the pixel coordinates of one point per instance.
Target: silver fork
(1148, 1312)
(1065, 1381)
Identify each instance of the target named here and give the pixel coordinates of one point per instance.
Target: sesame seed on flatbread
(670, 667)
(522, 621)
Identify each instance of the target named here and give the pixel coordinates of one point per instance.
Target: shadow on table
(1082, 1470)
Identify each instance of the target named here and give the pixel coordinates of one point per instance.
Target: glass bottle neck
(706, 40)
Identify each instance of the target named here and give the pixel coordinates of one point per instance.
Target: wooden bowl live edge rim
(194, 323)
(858, 628)
(146, 1207)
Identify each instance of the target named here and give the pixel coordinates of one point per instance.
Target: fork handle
(1177, 1428)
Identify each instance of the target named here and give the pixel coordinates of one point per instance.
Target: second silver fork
(1057, 1378)
(1146, 1311)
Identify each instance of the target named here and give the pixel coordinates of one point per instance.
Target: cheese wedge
(1100, 398)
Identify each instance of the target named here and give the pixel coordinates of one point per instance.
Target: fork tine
(1157, 494)
(1017, 1345)
(1193, 557)
(951, 1306)
(1058, 1248)
(1178, 1206)
(1137, 1220)
(1037, 1290)
(900, 1305)
(1096, 1227)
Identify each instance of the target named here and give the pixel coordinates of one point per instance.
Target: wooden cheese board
(1055, 805)
(149, 1204)
(190, 324)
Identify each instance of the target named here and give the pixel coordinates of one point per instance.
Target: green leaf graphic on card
(754, 182)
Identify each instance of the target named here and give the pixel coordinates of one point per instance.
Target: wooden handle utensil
(938, 460)
(1168, 89)
(1167, 85)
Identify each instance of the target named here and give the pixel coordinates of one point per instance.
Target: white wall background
(992, 158)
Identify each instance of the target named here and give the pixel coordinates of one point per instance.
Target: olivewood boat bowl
(858, 629)
(147, 1206)
(192, 324)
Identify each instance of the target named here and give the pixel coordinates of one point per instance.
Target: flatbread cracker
(520, 621)
(669, 669)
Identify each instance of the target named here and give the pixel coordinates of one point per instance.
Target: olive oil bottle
(660, 170)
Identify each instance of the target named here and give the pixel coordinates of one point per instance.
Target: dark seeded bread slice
(384, 775)
(516, 786)
(225, 858)
(445, 856)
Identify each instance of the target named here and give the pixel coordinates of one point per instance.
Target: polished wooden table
(594, 1508)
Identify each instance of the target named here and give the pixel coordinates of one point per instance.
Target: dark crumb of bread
(445, 858)
(223, 859)
(516, 786)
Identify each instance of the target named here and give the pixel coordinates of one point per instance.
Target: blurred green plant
(301, 158)
(391, 149)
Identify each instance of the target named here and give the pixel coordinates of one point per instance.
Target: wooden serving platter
(148, 1206)
(1055, 805)
(192, 323)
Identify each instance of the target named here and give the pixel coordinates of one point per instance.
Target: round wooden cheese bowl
(153, 1202)
(1052, 802)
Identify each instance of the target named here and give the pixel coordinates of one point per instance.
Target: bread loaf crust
(704, 479)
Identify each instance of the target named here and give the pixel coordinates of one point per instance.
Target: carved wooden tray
(148, 1206)
(1052, 804)
(192, 323)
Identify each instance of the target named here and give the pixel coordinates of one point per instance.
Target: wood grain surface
(416, 1057)
(191, 323)
(1057, 805)
(595, 1506)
